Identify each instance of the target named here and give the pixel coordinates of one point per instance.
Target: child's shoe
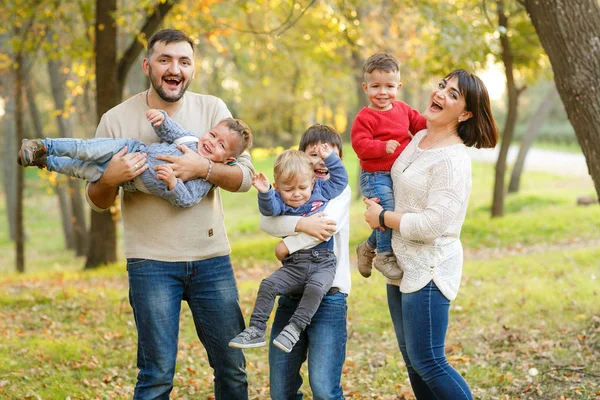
(287, 338)
(32, 153)
(249, 338)
(387, 265)
(365, 255)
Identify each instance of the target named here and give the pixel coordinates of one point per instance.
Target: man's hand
(281, 251)
(317, 226)
(261, 182)
(155, 116)
(190, 165)
(391, 146)
(123, 168)
(164, 172)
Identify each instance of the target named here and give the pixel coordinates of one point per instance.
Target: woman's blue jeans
(379, 185)
(420, 321)
(323, 341)
(156, 290)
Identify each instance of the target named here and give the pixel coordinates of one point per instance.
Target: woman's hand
(372, 213)
(317, 226)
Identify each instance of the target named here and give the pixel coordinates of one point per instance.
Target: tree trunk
(110, 81)
(9, 155)
(76, 218)
(103, 229)
(19, 232)
(511, 117)
(569, 32)
(540, 116)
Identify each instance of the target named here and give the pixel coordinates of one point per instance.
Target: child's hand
(281, 251)
(391, 146)
(324, 150)
(261, 183)
(155, 116)
(165, 173)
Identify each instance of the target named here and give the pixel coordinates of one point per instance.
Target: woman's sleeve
(448, 191)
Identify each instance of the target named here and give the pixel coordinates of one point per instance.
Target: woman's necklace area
(421, 151)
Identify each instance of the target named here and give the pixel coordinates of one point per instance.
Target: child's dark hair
(242, 129)
(168, 36)
(381, 62)
(321, 134)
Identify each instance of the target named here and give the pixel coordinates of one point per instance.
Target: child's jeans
(379, 185)
(85, 159)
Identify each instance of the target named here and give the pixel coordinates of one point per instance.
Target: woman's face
(446, 104)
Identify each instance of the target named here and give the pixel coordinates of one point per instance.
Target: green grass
(529, 299)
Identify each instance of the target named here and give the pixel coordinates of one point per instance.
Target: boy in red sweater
(379, 133)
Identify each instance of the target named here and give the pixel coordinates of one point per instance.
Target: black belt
(298, 296)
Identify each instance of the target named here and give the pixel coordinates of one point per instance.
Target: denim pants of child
(322, 343)
(156, 290)
(309, 272)
(379, 185)
(86, 159)
(420, 320)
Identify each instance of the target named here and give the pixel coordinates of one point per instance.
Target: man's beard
(162, 93)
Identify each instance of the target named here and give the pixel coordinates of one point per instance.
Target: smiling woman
(432, 182)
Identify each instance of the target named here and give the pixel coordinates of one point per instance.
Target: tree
(569, 32)
(111, 73)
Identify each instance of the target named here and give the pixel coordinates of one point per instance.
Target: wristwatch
(382, 218)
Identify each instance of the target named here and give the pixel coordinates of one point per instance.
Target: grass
(528, 303)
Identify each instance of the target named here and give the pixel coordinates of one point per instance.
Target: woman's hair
(242, 129)
(321, 134)
(290, 164)
(480, 130)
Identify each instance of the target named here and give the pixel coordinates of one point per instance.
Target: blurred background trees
(281, 65)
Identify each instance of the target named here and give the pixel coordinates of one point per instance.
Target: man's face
(171, 69)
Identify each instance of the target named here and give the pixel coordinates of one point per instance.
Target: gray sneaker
(287, 338)
(364, 259)
(249, 338)
(32, 153)
(387, 265)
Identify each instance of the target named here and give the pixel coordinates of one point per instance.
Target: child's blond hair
(242, 129)
(290, 164)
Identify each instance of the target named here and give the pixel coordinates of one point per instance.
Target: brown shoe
(32, 153)
(387, 265)
(365, 255)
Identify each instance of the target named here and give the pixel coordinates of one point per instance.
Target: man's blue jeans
(420, 320)
(156, 290)
(324, 340)
(379, 184)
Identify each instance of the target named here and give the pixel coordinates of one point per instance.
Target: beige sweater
(153, 228)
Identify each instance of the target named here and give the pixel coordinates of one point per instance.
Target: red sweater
(372, 129)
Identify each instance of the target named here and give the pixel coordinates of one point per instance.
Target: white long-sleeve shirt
(431, 188)
(338, 209)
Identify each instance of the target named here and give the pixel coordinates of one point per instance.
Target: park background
(527, 319)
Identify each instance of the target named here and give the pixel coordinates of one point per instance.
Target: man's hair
(381, 62)
(168, 36)
(242, 129)
(292, 163)
(321, 134)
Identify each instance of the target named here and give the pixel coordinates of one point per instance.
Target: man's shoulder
(205, 99)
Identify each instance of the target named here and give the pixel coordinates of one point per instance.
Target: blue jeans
(86, 159)
(379, 184)
(323, 341)
(420, 320)
(156, 290)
